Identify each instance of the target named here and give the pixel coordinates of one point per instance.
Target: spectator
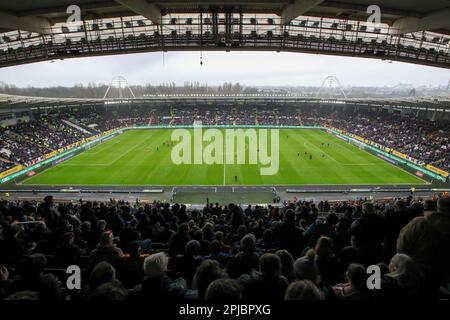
(106, 251)
(305, 268)
(49, 213)
(68, 252)
(131, 266)
(367, 234)
(178, 241)
(156, 284)
(217, 254)
(356, 287)
(246, 260)
(224, 290)
(33, 278)
(268, 284)
(303, 290)
(287, 264)
(102, 273)
(207, 272)
(328, 265)
(427, 241)
(108, 291)
(288, 236)
(404, 280)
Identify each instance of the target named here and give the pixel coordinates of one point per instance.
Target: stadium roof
(13, 102)
(409, 15)
(413, 31)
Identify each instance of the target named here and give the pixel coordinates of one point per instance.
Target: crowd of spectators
(426, 140)
(24, 142)
(419, 138)
(153, 251)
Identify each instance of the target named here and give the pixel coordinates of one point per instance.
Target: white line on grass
(224, 163)
(304, 144)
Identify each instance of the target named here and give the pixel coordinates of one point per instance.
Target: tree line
(93, 90)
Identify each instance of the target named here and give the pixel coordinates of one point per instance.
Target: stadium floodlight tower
(331, 88)
(118, 89)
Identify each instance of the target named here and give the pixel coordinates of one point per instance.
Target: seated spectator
(106, 251)
(305, 268)
(13, 246)
(103, 272)
(33, 278)
(287, 264)
(112, 290)
(266, 242)
(207, 272)
(131, 265)
(217, 254)
(367, 234)
(427, 241)
(178, 240)
(246, 260)
(303, 290)
(328, 265)
(187, 264)
(68, 252)
(268, 284)
(129, 234)
(318, 229)
(288, 236)
(356, 287)
(156, 285)
(405, 280)
(223, 290)
(342, 238)
(204, 244)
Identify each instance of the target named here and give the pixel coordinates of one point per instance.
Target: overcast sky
(249, 68)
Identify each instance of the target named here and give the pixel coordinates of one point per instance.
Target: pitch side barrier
(58, 156)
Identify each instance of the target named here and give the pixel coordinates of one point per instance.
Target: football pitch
(142, 157)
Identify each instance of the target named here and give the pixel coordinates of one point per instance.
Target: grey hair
(407, 273)
(156, 264)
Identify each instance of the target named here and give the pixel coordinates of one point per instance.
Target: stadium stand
(148, 252)
(422, 139)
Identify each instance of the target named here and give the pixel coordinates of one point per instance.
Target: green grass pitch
(132, 159)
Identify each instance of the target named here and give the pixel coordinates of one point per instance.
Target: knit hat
(305, 268)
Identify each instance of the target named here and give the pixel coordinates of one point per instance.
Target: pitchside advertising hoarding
(390, 155)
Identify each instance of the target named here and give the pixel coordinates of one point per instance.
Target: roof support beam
(433, 21)
(142, 7)
(299, 7)
(32, 24)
